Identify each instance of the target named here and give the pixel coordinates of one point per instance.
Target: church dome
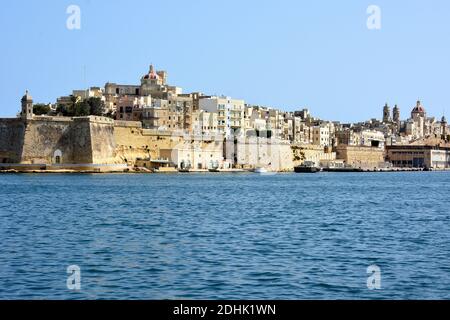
(419, 108)
(151, 74)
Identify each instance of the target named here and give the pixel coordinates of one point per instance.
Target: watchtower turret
(27, 107)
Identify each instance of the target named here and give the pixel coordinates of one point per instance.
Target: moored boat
(306, 169)
(260, 170)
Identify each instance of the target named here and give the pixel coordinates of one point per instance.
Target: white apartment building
(230, 113)
(196, 155)
(204, 122)
(372, 138)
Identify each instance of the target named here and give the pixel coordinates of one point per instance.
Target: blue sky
(286, 54)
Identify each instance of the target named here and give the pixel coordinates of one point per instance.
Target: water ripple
(225, 236)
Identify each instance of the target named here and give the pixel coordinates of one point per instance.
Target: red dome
(151, 74)
(418, 108)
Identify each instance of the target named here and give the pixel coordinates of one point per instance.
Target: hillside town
(159, 127)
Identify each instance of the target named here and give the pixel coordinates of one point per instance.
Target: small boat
(260, 170)
(306, 169)
(214, 170)
(184, 170)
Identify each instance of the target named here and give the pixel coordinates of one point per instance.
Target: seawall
(58, 142)
(99, 143)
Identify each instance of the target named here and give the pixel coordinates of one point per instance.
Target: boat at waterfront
(260, 170)
(307, 167)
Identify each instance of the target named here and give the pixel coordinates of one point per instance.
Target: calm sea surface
(225, 236)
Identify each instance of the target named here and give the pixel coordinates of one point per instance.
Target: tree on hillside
(92, 106)
(96, 106)
(68, 110)
(63, 109)
(41, 109)
(82, 109)
(74, 101)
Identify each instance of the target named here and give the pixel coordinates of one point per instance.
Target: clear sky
(287, 54)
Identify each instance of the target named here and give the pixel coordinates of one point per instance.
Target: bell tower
(444, 128)
(386, 113)
(27, 107)
(396, 114)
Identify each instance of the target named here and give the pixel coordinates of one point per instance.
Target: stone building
(131, 108)
(311, 153)
(156, 116)
(321, 135)
(419, 156)
(360, 156)
(154, 83)
(173, 114)
(113, 92)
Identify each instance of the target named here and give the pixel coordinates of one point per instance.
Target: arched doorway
(57, 157)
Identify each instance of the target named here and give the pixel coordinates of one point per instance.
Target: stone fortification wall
(11, 140)
(133, 142)
(57, 140)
